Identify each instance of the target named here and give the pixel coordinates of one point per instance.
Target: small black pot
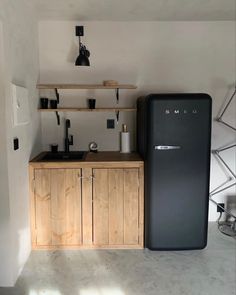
(92, 103)
(54, 148)
(53, 104)
(44, 102)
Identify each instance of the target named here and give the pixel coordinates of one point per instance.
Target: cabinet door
(116, 206)
(58, 206)
(132, 207)
(100, 207)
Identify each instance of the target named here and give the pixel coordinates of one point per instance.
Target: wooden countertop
(112, 157)
(100, 159)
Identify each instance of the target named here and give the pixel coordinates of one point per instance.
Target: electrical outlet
(110, 124)
(219, 209)
(16, 144)
(79, 31)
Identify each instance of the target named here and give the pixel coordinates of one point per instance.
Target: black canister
(91, 103)
(53, 104)
(44, 102)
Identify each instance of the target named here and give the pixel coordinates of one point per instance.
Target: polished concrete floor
(132, 272)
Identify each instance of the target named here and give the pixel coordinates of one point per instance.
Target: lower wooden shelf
(89, 110)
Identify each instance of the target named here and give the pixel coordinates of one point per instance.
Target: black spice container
(44, 102)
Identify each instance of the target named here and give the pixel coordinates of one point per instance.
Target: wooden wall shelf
(89, 110)
(57, 87)
(84, 86)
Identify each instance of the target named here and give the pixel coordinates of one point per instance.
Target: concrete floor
(132, 272)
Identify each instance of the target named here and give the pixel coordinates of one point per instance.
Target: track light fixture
(84, 54)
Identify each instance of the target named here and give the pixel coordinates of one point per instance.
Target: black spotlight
(84, 54)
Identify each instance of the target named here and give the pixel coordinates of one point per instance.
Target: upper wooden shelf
(84, 86)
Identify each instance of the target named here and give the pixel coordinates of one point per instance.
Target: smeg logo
(180, 111)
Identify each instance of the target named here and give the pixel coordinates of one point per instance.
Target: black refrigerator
(174, 138)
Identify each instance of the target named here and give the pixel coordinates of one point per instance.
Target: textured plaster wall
(20, 60)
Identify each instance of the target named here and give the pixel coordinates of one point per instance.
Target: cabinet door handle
(88, 178)
(91, 177)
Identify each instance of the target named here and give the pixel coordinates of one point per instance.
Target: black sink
(62, 156)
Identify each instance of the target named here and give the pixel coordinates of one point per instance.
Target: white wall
(156, 56)
(4, 192)
(20, 35)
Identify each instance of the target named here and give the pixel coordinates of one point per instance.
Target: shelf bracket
(117, 95)
(57, 95)
(58, 118)
(117, 117)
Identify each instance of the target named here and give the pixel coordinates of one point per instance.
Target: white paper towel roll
(125, 142)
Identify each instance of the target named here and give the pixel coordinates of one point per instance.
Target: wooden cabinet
(86, 207)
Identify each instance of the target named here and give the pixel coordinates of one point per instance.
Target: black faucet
(68, 141)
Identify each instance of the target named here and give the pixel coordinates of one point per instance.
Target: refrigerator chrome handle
(167, 147)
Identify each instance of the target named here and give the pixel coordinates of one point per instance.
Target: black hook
(57, 95)
(117, 116)
(117, 95)
(58, 118)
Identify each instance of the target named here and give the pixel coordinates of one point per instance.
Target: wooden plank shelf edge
(89, 110)
(85, 86)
